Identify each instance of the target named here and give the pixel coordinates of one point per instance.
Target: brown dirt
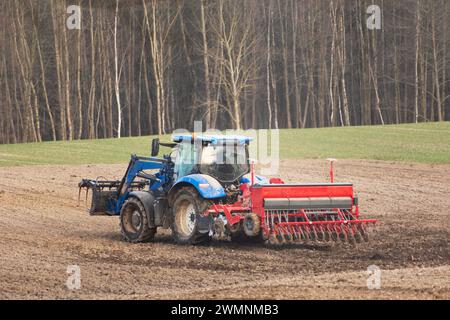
(42, 231)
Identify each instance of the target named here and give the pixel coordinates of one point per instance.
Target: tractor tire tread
(147, 233)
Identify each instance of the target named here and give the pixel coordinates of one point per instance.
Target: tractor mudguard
(147, 200)
(207, 186)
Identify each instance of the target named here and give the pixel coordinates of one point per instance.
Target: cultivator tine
(344, 231)
(358, 237)
(279, 238)
(327, 234)
(363, 232)
(314, 233)
(333, 233)
(306, 233)
(350, 235)
(295, 235)
(288, 234)
(282, 235)
(311, 235)
(321, 234)
(342, 234)
(301, 234)
(329, 231)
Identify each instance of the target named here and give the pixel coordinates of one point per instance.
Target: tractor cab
(224, 158)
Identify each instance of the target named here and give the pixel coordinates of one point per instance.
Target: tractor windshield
(225, 162)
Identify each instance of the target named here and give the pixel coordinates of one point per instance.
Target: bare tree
(117, 73)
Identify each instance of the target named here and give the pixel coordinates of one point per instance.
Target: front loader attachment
(108, 196)
(104, 194)
(309, 212)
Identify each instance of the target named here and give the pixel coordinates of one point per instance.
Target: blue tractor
(175, 191)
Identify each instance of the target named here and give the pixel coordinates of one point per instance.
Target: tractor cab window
(185, 160)
(225, 162)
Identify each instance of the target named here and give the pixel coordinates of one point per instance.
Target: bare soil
(43, 231)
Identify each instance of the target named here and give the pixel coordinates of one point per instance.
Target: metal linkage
(109, 184)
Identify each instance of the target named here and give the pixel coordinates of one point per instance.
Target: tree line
(148, 67)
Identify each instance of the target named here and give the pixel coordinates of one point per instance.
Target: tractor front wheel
(188, 208)
(134, 223)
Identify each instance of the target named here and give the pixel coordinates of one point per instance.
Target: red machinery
(281, 212)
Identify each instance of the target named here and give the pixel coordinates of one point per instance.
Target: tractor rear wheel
(188, 208)
(134, 223)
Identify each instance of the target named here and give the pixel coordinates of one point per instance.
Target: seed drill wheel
(187, 208)
(133, 222)
(239, 232)
(252, 225)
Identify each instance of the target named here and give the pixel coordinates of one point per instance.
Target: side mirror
(155, 147)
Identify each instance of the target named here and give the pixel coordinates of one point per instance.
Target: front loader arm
(135, 167)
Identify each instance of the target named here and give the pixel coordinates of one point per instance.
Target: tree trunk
(117, 74)
(205, 64)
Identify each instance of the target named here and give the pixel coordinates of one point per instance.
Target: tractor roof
(212, 138)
